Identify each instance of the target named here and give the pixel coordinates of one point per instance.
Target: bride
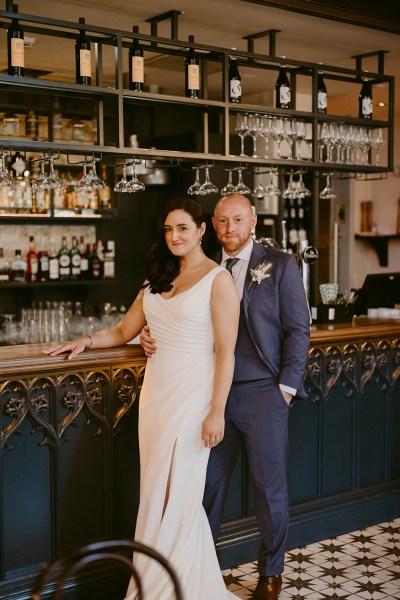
(192, 308)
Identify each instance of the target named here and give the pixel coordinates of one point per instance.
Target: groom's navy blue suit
(271, 349)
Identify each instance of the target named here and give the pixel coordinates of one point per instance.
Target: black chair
(69, 563)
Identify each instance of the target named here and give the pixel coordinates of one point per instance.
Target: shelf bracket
(381, 60)
(170, 14)
(380, 244)
(270, 33)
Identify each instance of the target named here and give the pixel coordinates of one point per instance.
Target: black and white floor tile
(362, 565)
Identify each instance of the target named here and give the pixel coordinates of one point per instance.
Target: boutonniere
(260, 272)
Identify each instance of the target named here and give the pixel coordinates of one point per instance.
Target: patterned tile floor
(364, 564)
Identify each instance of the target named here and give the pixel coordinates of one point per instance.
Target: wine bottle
(75, 257)
(192, 72)
(235, 81)
(136, 64)
(322, 98)
(64, 260)
(85, 254)
(15, 43)
(54, 262)
(365, 100)
(83, 57)
(43, 261)
(282, 89)
(95, 264)
(32, 263)
(18, 267)
(5, 268)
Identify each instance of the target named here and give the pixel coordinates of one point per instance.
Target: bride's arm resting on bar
(120, 334)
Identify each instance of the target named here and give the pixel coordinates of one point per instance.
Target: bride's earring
(200, 240)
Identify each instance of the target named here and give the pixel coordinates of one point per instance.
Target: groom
(270, 360)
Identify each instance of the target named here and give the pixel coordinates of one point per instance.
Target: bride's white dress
(174, 401)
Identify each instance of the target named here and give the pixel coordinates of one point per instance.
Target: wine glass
(325, 140)
(327, 193)
(266, 131)
(259, 190)
(38, 182)
(120, 186)
(302, 190)
(242, 129)
(271, 189)
(299, 135)
(229, 188)
(93, 180)
(289, 133)
(278, 133)
(52, 180)
(241, 187)
(254, 130)
(194, 189)
(208, 187)
(377, 141)
(134, 185)
(5, 179)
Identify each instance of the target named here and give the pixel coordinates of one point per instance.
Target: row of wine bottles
(79, 262)
(83, 59)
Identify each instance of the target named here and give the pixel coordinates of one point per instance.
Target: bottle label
(85, 63)
(235, 88)
(33, 263)
(284, 94)
(137, 69)
(54, 268)
(17, 52)
(322, 100)
(64, 260)
(193, 77)
(109, 269)
(44, 264)
(84, 264)
(367, 106)
(76, 260)
(4, 277)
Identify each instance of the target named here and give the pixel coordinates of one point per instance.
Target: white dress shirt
(239, 272)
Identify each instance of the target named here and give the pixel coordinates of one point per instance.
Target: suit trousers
(257, 415)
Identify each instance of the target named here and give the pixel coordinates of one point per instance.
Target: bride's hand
(212, 432)
(74, 348)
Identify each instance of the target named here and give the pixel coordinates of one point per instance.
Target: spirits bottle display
(322, 101)
(75, 257)
(32, 264)
(136, 65)
(83, 57)
(282, 89)
(365, 100)
(235, 81)
(54, 263)
(5, 268)
(18, 267)
(192, 72)
(15, 40)
(64, 260)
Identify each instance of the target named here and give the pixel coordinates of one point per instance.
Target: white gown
(174, 401)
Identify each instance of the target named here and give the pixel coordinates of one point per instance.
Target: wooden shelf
(379, 243)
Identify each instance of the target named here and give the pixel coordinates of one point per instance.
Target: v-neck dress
(174, 401)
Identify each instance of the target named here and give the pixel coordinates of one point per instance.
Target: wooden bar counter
(69, 466)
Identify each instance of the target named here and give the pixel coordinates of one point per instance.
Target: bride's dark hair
(162, 265)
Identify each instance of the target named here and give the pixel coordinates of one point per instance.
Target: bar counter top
(15, 359)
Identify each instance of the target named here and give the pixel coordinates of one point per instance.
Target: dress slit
(168, 487)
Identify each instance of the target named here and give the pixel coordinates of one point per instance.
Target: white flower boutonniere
(260, 272)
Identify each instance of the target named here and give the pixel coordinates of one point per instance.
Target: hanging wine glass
(290, 193)
(241, 187)
(5, 179)
(208, 187)
(302, 190)
(242, 129)
(120, 186)
(52, 180)
(229, 188)
(377, 141)
(194, 189)
(83, 182)
(259, 190)
(93, 180)
(134, 185)
(271, 189)
(38, 182)
(327, 193)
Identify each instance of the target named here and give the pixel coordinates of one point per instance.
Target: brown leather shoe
(268, 588)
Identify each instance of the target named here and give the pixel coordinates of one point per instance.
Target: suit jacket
(277, 316)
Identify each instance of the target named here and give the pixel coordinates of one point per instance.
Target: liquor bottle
(322, 98)
(26, 188)
(95, 264)
(105, 192)
(282, 89)
(136, 64)
(32, 263)
(57, 121)
(32, 125)
(192, 72)
(18, 267)
(44, 265)
(54, 263)
(85, 254)
(109, 261)
(292, 234)
(64, 260)
(15, 41)
(365, 100)
(83, 57)
(235, 81)
(75, 256)
(5, 268)
(301, 232)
